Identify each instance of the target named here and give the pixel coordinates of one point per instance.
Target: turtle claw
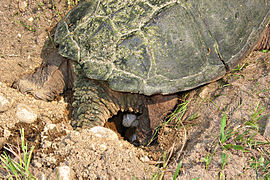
(47, 82)
(22, 86)
(44, 95)
(26, 85)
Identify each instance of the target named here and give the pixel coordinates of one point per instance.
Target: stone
(103, 132)
(41, 177)
(64, 173)
(4, 103)
(25, 114)
(22, 5)
(31, 19)
(7, 133)
(144, 159)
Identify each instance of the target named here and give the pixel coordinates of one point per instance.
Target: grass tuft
(242, 138)
(177, 170)
(18, 169)
(28, 27)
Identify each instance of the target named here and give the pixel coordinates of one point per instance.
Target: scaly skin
(94, 103)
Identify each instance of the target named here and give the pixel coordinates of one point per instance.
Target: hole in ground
(127, 133)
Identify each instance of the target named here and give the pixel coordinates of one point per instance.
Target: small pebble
(48, 127)
(31, 19)
(22, 5)
(63, 173)
(42, 177)
(103, 132)
(4, 104)
(37, 164)
(103, 147)
(204, 93)
(25, 114)
(144, 158)
(47, 144)
(7, 133)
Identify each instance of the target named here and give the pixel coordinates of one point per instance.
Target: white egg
(128, 120)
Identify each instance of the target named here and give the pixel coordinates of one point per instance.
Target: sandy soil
(26, 30)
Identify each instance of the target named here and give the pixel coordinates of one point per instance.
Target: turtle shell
(160, 46)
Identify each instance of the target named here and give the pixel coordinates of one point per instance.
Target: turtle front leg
(94, 103)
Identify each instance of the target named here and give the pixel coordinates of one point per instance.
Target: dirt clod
(25, 114)
(4, 103)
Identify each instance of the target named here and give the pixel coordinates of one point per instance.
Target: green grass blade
(265, 50)
(262, 91)
(29, 158)
(24, 148)
(3, 159)
(236, 147)
(222, 128)
(224, 160)
(9, 164)
(257, 143)
(9, 174)
(18, 169)
(155, 176)
(177, 170)
(178, 113)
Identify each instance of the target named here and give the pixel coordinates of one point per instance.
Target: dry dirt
(26, 32)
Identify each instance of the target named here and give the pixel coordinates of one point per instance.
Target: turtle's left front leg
(94, 102)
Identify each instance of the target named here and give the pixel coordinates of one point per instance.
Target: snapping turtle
(125, 52)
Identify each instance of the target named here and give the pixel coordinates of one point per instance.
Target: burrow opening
(127, 133)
